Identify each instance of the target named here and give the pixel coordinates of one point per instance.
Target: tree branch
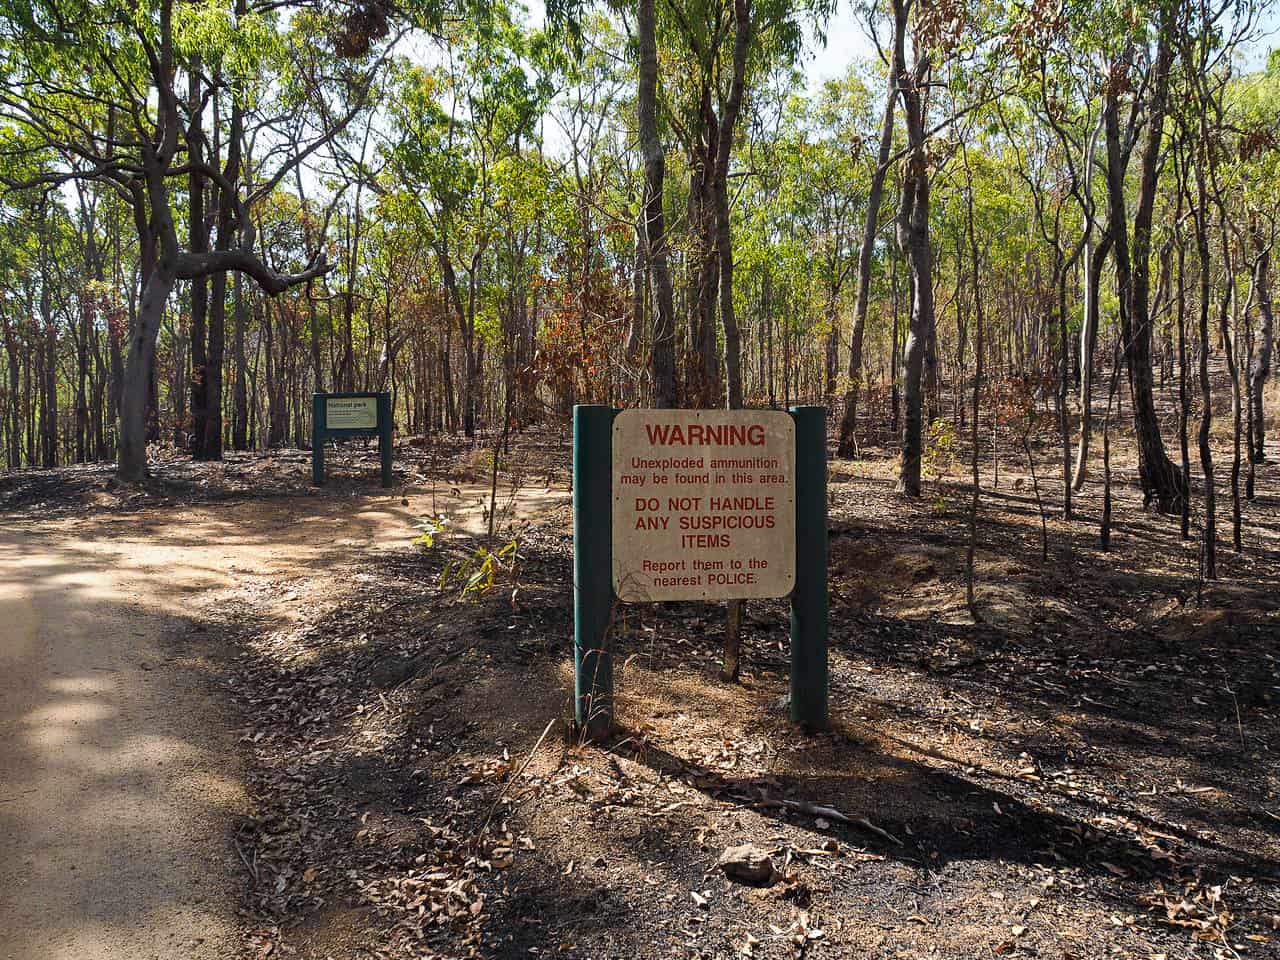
(193, 265)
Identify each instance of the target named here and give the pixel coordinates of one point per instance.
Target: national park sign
(342, 415)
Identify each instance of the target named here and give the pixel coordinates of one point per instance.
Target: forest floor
(1091, 772)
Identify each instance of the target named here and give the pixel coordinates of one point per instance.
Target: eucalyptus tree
(720, 50)
(656, 236)
(1263, 238)
(870, 230)
(1162, 482)
(1125, 59)
(1062, 88)
(1045, 162)
(1206, 39)
(456, 126)
(824, 177)
(97, 81)
(912, 78)
(1252, 101)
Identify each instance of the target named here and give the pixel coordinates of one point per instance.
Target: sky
(847, 43)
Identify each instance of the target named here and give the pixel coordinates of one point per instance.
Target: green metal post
(592, 568)
(318, 425)
(385, 426)
(809, 599)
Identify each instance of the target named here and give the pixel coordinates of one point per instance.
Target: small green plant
(431, 528)
(939, 457)
(477, 574)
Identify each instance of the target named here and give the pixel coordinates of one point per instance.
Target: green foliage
(939, 455)
(431, 528)
(476, 574)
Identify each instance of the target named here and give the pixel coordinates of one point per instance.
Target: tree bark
(720, 190)
(663, 358)
(211, 445)
(1162, 482)
(849, 423)
(198, 243)
(1094, 262)
(913, 240)
(1260, 368)
(140, 356)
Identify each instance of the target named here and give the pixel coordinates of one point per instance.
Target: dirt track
(118, 783)
(117, 787)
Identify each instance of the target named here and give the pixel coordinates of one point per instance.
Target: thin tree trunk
(1184, 399)
(664, 328)
(720, 196)
(848, 425)
(227, 228)
(1162, 482)
(913, 239)
(198, 241)
(1201, 212)
(1260, 367)
(970, 554)
(239, 386)
(1094, 262)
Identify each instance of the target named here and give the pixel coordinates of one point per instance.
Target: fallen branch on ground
(818, 810)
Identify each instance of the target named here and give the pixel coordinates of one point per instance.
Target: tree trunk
(211, 446)
(720, 194)
(1162, 482)
(1184, 400)
(664, 329)
(971, 600)
(635, 330)
(1209, 563)
(140, 355)
(198, 241)
(705, 361)
(848, 425)
(239, 386)
(1094, 262)
(49, 378)
(913, 240)
(1260, 368)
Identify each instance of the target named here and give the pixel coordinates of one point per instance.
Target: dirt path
(116, 787)
(118, 779)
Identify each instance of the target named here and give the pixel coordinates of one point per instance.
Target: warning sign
(703, 504)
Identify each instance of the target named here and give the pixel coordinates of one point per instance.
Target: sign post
(698, 505)
(592, 561)
(350, 415)
(809, 599)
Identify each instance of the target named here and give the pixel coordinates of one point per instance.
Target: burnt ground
(1089, 772)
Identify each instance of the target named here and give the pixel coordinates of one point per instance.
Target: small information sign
(351, 413)
(703, 504)
(338, 416)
